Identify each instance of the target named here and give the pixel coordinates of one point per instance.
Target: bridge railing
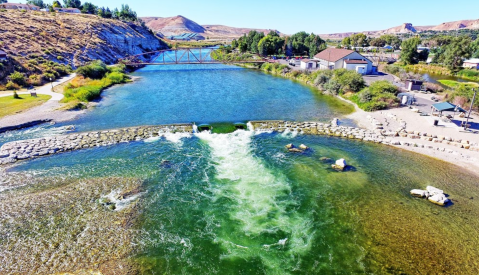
(179, 56)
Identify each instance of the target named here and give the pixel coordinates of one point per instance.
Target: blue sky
(318, 16)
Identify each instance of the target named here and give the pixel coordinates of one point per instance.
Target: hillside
(180, 24)
(409, 28)
(33, 39)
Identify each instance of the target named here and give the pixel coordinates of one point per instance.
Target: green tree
(475, 49)
(115, 14)
(127, 14)
(270, 44)
(314, 44)
(234, 44)
(378, 42)
(17, 78)
(38, 3)
(456, 51)
(409, 54)
(346, 42)
(391, 40)
(359, 40)
(89, 8)
(56, 4)
(72, 4)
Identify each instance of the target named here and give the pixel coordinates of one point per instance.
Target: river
(232, 203)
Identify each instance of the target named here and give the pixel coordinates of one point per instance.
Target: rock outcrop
(33, 38)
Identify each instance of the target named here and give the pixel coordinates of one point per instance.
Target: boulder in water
(439, 199)
(340, 164)
(434, 191)
(419, 193)
(303, 147)
(289, 146)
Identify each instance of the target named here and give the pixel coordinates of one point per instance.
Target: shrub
(116, 77)
(59, 57)
(12, 86)
(349, 80)
(35, 80)
(15, 95)
(295, 73)
(3, 88)
(95, 70)
(383, 86)
(17, 78)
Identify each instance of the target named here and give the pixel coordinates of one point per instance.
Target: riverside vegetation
(92, 79)
(341, 82)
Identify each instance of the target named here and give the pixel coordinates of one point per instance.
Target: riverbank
(48, 111)
(436, 145)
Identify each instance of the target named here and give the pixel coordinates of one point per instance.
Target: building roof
(67, 9)
(446, 106)
(355, 61)
(474, 60)
(333, 55)
(308, 60)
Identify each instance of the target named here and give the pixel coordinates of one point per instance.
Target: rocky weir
(26, 149)
(12, 152)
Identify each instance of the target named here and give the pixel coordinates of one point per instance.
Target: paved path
(47, 111)
(45, 89)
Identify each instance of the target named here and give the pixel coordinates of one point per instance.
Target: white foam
(256, 190)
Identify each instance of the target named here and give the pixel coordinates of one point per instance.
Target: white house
(309, 64)
(471, 63)
(67, 10)
(332, 58)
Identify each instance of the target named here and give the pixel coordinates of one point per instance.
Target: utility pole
(470, 108)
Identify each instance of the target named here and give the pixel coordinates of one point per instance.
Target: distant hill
(180, 24)
(409, 28)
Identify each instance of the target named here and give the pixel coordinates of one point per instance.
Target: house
(341, 58)
(3, 55)
(15, 6)
(187, 37)
(308, 64)
(67, 10)
(471, 63)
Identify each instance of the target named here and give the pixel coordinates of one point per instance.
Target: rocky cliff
(33, 38)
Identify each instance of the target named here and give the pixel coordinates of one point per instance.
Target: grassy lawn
(455, 84)
(10, 106)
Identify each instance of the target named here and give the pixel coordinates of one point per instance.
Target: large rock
(434, 191)
(419, 193)
(340, 164)
(439, 199)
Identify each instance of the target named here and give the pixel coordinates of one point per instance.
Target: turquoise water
(236, 203)
(205, 94)
(240, 203)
